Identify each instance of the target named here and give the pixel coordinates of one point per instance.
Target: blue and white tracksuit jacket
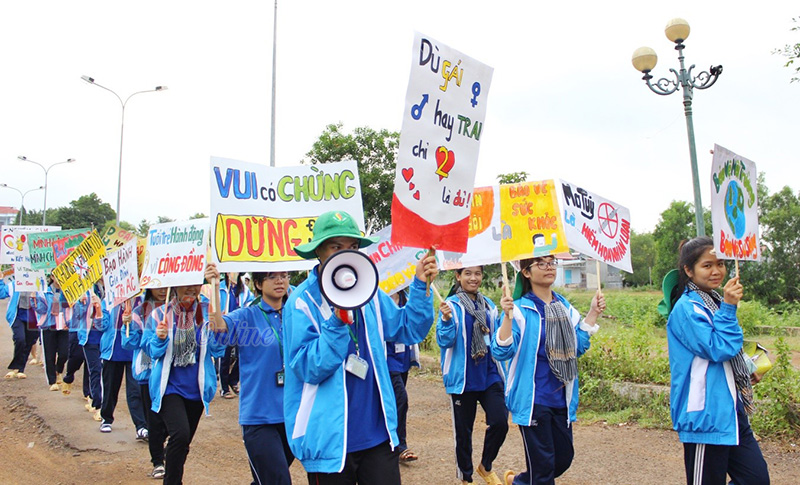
(451, 336)
(132, 340)
(116, 330)
(703, 393)
(160, 351)
(526, 331)
(316, 348)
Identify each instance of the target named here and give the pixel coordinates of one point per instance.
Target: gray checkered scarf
(184, 339)
(560, 341)
(741, 375)
(477, 309)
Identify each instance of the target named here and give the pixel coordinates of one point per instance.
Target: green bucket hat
(667, 287)
(333, 224)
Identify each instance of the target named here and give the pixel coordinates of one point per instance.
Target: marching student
(116, 366)
(141, 366)
(464, 331)
(21, 317)
(53, 315)
(543, 340)
(234, 294)
(711, 395)
(181, 344)
(338, 400)
(400, 358)
(89, 337)
(257, 330)
(76, 358)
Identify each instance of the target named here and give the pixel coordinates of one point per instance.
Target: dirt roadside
(50, 438)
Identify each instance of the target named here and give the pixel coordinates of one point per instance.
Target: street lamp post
(122, 103)
(644, 60)
(22, 195)
(46, 172)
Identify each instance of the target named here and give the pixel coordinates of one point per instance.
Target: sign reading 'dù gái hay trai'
(734, 205)
(175, 254)
(260, 213)
(437, 157)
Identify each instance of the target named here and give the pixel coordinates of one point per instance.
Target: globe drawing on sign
(734, 209)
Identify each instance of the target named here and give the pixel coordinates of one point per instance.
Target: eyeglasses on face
(277, 276)
(543, 265)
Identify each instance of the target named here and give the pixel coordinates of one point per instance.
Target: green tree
(675, 224)
(198, 215)
(643, 259)
(792, 53)
(376, 154)
(780, 221)
(513, 177)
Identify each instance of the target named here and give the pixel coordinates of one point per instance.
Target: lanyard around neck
(274, 332)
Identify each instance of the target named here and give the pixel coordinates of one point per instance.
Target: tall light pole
(122, 103)
(274, 54)
(644, 60)
(46, 172)
(22, 195)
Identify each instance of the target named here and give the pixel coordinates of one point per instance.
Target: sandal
(508, 474)
(21, 375)
(66, 388)
(407, 455)
(489, 477)
(11, 374)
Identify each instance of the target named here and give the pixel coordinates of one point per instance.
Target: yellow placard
(530, 219)
(81, 269)
(259, 238)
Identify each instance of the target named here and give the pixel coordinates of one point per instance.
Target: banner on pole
(437, 158)
(510, 222)
(396, 264)
(120, 274)
(734, 206)
(175, 254)
(15, 241)
(49, 249)
(115, 237)
(81, 269)
(597, 227)
(260, 213)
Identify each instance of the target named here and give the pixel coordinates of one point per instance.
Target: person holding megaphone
(339, 404)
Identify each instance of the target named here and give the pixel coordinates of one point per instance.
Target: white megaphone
(348, 279)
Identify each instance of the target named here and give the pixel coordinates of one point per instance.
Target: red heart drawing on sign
(445, 159)
(408, 173)
(416, 195)
(411, 186)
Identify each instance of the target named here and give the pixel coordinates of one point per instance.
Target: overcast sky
(565, 101)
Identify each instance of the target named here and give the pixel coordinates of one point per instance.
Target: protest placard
(260, 213)
(81, 268)
(734, 206)
(396, 264)
(50, 248)
(510, 222)
(15, 241)
(120, 274)
(115, 237)
(439, 142)
(596, 227)
(175, 254)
